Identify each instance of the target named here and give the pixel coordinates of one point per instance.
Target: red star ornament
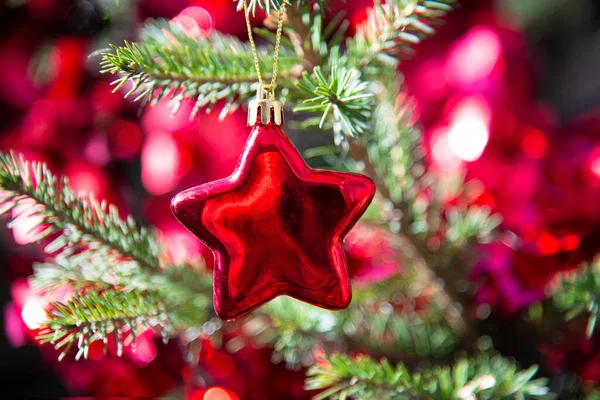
(276, 226)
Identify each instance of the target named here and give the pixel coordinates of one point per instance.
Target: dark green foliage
(87, 228)
(92, 316)
(579, 293)
(169, 61)
(391, 30)
(94, 249)
(343, 95)
(394, 145)
(367, 323)
(483, 377)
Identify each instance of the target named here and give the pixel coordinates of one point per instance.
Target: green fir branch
(267, 5)
(93, 316)
(185, 288)
(391, 29)
(342, 94)
(578, 293)
(169, 61)
(61, 271)
(483, 377)
(297, 328)
(466, 225)
(395, 146)
(172, 61)
(95, 250)
(87, 228)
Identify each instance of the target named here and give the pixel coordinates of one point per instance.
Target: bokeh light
(161, 159)
(196, 18)
(13, 325)
(547, 243)
(84, 177)
(145, 350)
(440, 150)
(469, 133)
(595, 161)
(216, 393)
(472, 58)
(534, 143)
(125, 137)
(96, 151)
(33, 313)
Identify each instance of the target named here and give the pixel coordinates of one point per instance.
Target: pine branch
(393, 134)
(186, 289)
(96, 250)
(394, 147)
(483, 377)
(578, 293)
(60, 271)
(391, 29)
(368, 323)
(170, 61)
(95, 316)
(466, 225)
(268, 6)
(343, 95)
(87, 228)
(392, 156)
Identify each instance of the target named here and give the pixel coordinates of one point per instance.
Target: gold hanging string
(270, 87)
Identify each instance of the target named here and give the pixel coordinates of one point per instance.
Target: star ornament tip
(276, 226)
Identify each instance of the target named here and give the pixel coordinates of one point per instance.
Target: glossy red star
(276, 226)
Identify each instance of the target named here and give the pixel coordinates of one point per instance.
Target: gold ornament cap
(265, 107)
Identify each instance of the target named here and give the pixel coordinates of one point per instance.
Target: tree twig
(417, 251)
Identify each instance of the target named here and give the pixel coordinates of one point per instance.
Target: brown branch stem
(300, 37)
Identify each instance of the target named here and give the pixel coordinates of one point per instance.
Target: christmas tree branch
(95, 316)
(300, 34)
(395, 144)
(96, 250)
(578, 293)
(391, 29)
(342, 94)
(368, 323)
(483, 377)
(392, 156)
(60, 271)
(87, 227)
(172, 60)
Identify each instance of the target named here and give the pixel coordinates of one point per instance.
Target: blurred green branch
(578, 292)
(482, 377)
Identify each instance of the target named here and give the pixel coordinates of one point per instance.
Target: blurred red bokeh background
(476, 89)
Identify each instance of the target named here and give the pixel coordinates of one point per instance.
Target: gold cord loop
(270, 87)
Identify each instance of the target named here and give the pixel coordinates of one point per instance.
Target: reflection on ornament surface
(276, 226)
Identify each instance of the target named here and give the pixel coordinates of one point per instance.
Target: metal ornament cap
(264, 110)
